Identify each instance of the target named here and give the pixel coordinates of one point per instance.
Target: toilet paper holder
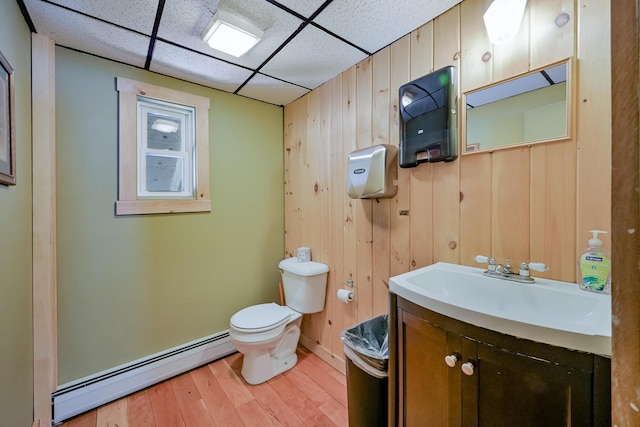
(345, 295)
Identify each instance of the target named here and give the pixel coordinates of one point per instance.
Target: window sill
(143, 207)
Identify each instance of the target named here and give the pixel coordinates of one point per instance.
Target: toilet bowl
(267, 334)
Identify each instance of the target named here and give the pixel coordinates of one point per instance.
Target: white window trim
(187, 153)
(128, 202)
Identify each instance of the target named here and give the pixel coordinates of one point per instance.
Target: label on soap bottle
(594, 268)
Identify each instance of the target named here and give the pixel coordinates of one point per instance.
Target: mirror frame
(570, 122)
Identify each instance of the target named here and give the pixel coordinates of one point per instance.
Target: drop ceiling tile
(303, 7)
(197, 68)
(312, 58)
(273, 91)
(138, 15)
(183, 22)
(374, 24)
(79, 32)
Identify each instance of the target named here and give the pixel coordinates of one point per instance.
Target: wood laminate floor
(312, 393)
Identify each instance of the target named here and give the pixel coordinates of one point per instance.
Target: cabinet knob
(468, 368)
(451, 360)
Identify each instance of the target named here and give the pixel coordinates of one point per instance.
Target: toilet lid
(261, 316)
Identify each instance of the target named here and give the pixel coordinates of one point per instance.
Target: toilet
(267, 334)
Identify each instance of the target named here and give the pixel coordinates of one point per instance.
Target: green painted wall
(132, 286)
(16, 348)
(516, 119)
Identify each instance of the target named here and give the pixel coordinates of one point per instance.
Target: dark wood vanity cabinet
(494, 380)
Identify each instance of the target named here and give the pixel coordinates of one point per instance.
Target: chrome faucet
(506, 269)
(506, 272)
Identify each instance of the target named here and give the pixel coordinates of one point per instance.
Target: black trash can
(366, 346)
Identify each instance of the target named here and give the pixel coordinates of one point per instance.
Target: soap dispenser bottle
(595, 266)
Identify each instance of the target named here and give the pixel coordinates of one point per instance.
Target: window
(166, 147)
(163, 150)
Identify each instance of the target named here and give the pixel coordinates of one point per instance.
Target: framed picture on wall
(7, 124)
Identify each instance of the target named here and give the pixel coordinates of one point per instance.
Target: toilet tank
(304, 284)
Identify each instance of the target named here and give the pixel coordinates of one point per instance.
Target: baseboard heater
(87, 393)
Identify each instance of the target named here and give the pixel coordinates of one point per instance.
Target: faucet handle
(524, 269)
(491, 262)
(539, 266)
(481, 258)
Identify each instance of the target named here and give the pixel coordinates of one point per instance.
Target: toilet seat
(260, 318)
(261, 323)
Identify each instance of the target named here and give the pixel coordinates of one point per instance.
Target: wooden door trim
(44, 228)
(625, 212)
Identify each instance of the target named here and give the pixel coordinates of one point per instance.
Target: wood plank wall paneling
(511, 59)
(446, 176)
(553, 213)
(337, 169)
(349, 217)
(529, 203)
(510, 204)
(475, 208)
(552, 42)
(364, 208)
(475, 42)
(593, 130)
(295, 118)
(421, 179)
(400, 259)
(382, 207)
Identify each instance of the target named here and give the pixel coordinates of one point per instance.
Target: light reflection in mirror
(529, 109)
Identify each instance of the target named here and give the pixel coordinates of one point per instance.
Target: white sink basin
(548, 311)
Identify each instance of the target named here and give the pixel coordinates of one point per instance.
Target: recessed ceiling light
(230, 34)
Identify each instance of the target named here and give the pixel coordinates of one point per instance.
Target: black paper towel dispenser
(428, 119)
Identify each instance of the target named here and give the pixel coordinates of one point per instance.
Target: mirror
(532, 108)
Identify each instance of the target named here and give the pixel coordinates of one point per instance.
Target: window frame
(129, 203)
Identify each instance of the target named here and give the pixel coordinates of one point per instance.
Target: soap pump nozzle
(595, 241)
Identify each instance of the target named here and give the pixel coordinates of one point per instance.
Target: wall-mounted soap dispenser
(373, 172)
(428, 119)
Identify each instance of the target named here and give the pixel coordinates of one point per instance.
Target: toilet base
(257, 369)
(263, 364)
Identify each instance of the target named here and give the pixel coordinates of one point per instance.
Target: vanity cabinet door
(428, 390)
(514, 389)
(494, 380)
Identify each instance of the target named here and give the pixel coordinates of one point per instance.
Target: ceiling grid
(306, 42)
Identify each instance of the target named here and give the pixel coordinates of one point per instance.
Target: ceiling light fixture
(230, 34)
(503, 19)
(165, 126)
